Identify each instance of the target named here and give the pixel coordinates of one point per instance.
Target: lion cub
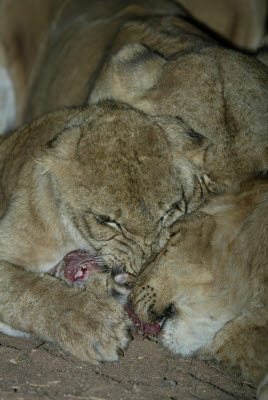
(212, 277)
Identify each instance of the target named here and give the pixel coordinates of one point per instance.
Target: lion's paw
(94, 324)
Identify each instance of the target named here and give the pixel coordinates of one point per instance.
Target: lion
(62, 174)
(132, 118)
(210, 281)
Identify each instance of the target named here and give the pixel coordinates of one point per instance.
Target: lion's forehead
(129, 207)
(110, 127)
(134, 192)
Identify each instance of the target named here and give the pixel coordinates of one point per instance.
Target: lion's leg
(242, 345)
(89, 323)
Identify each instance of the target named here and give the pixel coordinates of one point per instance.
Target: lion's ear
(128, 75)
(59, 153)
(187, 146)
(184, 140)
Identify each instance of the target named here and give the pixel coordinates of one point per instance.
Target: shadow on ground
(33, 370)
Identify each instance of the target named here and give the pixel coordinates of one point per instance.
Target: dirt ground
(33, 370)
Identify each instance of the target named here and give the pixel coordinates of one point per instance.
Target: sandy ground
(33, 370)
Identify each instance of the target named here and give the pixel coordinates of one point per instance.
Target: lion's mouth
(77, 267)
(145, 329)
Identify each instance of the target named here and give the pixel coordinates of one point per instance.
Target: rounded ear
(128, 74)
(187, 146)
(185, 141)
(59, 151)
(63, 142)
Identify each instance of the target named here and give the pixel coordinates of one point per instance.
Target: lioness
(169, 118)
(212, 281)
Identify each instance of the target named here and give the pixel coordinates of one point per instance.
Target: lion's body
(158, 116)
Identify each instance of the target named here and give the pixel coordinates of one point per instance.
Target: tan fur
(160, 64)
(89, 323)
(60, 176)
(242, 22)
(214, 272)
(63, 172)
(170, 117)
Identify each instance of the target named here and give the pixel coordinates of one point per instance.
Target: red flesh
(77, 266)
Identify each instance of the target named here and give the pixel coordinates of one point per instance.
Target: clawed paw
(93, 324)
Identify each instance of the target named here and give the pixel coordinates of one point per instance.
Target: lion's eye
(103, 219)
(177, 206)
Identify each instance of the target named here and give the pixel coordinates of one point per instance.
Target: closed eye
(176, 211)
(105, 220)
(178, 206)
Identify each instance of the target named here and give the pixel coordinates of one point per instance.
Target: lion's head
(118, 182)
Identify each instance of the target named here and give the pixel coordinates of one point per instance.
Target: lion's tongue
(77, 266)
